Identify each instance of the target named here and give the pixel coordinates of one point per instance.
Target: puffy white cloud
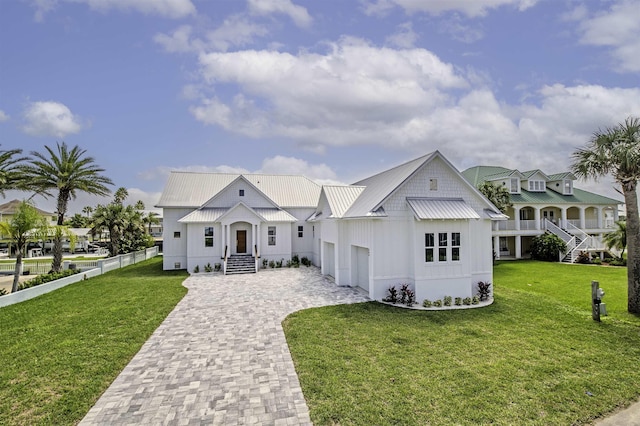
(296, 166)
(471, 8)
(298, 14)
(618, 28)
(179, 40)
(3, 116)
(50, 119)
(168, 8)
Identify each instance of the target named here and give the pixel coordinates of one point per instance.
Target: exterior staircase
(241, 264)
(576, 240)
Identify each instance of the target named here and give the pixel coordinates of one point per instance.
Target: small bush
(272, 264)
(466, 301)
(265, 262)
(279, 263)
(196, 269)
(305, 261)
(217, 267)
(596, 261)
(411, 298)
(404, 288)
(393, 295)
(458, 301)
(437, 303)
(42, 279)
(208, 267)
(618, 262)
(475, 300)
(447, 301)
(547, 247)
(583, 257)
(295, 259)
(427, 303)
(484, 290)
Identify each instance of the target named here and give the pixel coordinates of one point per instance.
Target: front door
(241, 241)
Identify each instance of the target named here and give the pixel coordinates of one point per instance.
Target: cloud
(617, 28)
(296, 166)
(50, 119)
(173, 9)
(3, 116)
(404, 38)
(460, 31)
(298, 14)
(470, 8)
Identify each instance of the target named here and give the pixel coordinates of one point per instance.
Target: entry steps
(241, 264)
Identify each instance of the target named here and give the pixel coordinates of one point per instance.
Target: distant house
(7, 210)
(543, 203)
(421, 223)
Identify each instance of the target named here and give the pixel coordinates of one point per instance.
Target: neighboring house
(7, 210)
(420, 223)
(543, 203)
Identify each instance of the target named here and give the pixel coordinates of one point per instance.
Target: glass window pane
(428, 240)
(455, 253)
(455, 238)
(442, 239)
(428, 255)
(442, 254)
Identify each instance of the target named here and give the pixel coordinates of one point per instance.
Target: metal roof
(188, 189)
(438, 208)
(340, 198)
(275, 215)
(213, 215)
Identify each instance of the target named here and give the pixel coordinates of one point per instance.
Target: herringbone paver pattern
(221, 357)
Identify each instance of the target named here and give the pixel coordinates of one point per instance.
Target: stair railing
(224, 270)
(256, 255)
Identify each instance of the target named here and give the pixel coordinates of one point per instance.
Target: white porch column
(600, 211)
(582, 218)
(536, 217)
(496, 246)
(518, 247)
(516, 214)
(563, 217)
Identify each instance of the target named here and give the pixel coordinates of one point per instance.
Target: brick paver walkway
(221, 357)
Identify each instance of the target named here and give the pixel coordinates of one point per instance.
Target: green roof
(479, 174)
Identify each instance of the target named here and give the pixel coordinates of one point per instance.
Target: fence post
(595, 301)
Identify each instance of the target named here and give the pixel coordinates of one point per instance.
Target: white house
(421, 223)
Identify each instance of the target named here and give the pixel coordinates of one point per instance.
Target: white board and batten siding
(174, 246)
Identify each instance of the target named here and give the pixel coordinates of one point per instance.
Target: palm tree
(68, 171)
(152, 218)
(87, 210)
(616, 151)
(618, 238)
(10, 174)
(20, 230)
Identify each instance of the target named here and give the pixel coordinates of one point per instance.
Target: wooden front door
(241, 241)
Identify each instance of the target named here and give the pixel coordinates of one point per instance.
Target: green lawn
(533, 357)
(59, 352)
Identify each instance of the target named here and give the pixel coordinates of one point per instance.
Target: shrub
(272, 264)
(279, 263)
(404, 288)
(484, 290)
(427, 303)
(265, 262)
(547, 247)
(447, 301)
(618, 262)
(3, 291)
(437, 303)
(466, 301)
(475, 300)
(305, 261)
(196, 269)
(42, 279)
(596, 261)
(217, 267)
(208, 267)
(458, 301)
(393, 295)
(295, 259)
(411, 298)
(583, 257)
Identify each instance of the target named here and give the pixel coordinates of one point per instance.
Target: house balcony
(505, 226)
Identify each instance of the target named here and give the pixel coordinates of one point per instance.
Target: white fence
(89, 268)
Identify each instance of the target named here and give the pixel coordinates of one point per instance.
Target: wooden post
(595, 302)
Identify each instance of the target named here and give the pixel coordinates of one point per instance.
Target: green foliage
(265, 262)
(208, 267)
(305, 261)
(447, 300)
(126, 226)
(547, 247)
(392, 297)
(11, 177)
(475, 300)
(498, 195)
(45, 278)
(437, 303)
(466, 301)
(427, 303)
(3, 291)
(618, 238)
(217, 267)
(458, 301)
(272, 264)
(196, 269)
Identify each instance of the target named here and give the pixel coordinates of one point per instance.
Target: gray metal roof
(213, 215)
(188, 189)
(340, 198)
(438, 208)
(382, 185)
(275, 215)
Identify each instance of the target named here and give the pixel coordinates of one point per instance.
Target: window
(176, 265)
(300, 231)
(568, 187)
(515, 186)
(428, 243)
(241, 192)
(455, 246)
(433, 184)
(208, 236)
(536, 186)
(442, 247)
(271, 232)
(176, 234)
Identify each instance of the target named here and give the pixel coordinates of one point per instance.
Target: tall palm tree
(618, 238)
(68, 171)
(616, 151)
(152, 218)
(87, 210)
(10, 173)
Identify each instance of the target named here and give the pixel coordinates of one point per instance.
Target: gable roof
(11, 207)
(441, 208)
(341, 197)
(192, 190)
(247, 182)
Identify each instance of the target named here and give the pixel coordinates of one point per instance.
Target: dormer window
(241, 193)
(568, 187)
(536, 186)
(515, 186)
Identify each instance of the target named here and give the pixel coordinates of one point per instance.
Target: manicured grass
(533, 357)
(60, 351)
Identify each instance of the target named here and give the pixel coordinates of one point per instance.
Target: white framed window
(429, 243)
(300, 231)
(455, 246)
(442, 247)
(537, 186)
(433, 184)
(515, 186)
(447, 247)
(176, 234)
(241, 193)
(568, 187)
(208, 236)
(271, 232)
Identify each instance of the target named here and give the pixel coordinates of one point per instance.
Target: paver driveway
(221, 357)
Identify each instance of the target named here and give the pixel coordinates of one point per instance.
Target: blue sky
(334, 89)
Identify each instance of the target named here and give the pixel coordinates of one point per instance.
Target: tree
(10, 173)
(498, 195)
(152, 218)
(77, 221)
(547, 247)
(24, 226)
(68, 171)
(616, 151)
(618, 238)
(87, 210)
